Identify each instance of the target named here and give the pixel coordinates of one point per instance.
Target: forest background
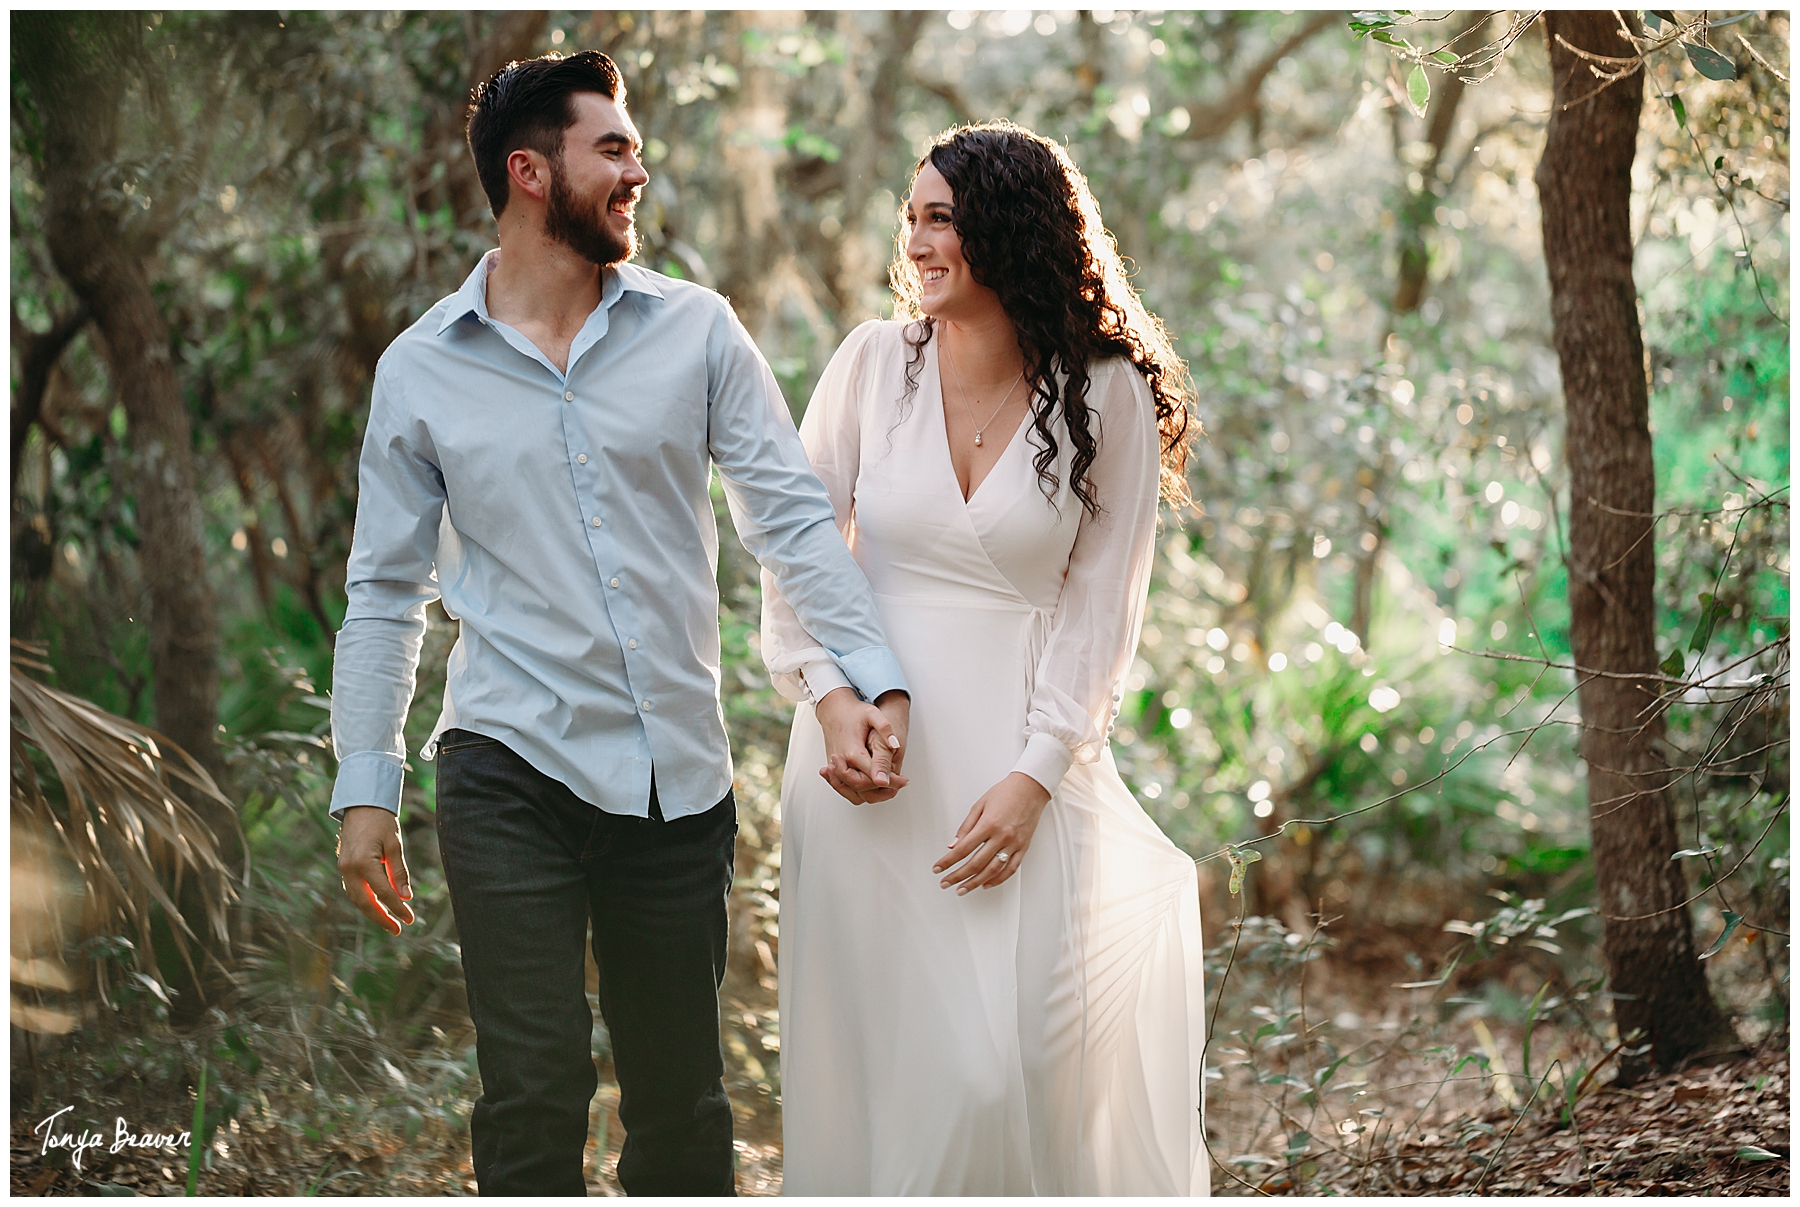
(1363, 618)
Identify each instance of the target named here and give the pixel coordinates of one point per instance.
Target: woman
(991, 983)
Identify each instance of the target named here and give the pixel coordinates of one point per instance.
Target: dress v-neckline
(944, 433)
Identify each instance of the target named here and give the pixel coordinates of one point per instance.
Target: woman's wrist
(1044, 760)
(1029, 790)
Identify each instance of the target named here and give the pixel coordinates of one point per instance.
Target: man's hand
(864, 744)
(373, 869)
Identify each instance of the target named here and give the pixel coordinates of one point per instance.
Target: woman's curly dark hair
(1031, 232)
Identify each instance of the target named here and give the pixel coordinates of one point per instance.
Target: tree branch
(1212, 121)
(38, 354)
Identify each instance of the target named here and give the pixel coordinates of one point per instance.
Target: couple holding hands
(990, 967)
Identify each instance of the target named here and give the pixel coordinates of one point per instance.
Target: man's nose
(635, 175)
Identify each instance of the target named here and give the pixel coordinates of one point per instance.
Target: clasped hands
(865, 745)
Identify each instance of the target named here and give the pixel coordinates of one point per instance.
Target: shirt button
(597, 521)
(612, 582)
(649, 705)
(581, 459)
(568, 395)
(632, 643)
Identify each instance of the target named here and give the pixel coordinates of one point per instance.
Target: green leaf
(197, 1142)
(1388, 39)
(1718, 163)
(1710, 613)
(1446, 56)
(1751, 1152)
(1732, 922)
(1666, 14)
(1418, 90)
(1680, 110)
(1690, 852)
(1673, 665)
(1530, 1025)
(1652, 20)
(1710, 63)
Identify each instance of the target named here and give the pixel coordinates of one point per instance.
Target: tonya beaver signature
(78, 1143)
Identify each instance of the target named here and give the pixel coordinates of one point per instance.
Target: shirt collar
(472, 297)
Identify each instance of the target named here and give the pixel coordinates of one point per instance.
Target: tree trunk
(75, 71)
(1418, 213)
(753, 242)
(1584, 184)
(847, 269)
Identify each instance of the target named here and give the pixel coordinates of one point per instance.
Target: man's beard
(586, 233)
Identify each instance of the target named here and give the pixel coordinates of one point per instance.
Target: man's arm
(785, 518)
(389, 582)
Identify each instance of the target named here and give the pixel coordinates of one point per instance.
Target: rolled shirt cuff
(822, 677)
(368, 777)
(872, 670)
(1045, 760)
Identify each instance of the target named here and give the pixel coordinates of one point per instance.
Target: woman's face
(948, 290)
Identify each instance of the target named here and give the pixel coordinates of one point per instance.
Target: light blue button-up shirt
(564, 519)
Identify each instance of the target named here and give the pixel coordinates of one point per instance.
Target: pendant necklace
(979, 429)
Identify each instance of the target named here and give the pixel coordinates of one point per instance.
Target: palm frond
(112, 806)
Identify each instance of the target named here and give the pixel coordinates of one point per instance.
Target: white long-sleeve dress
(1039, 1038)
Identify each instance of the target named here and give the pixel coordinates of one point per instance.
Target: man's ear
(528, 171)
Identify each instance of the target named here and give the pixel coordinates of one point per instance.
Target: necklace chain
(962, 390)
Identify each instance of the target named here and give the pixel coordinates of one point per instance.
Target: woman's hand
(995, 836)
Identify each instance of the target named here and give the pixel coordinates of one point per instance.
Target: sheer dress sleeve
(831, 432)
(1094, 632)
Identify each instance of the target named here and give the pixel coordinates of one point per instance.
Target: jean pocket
(461, 739)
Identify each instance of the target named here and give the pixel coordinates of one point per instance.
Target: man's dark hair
(529, 103)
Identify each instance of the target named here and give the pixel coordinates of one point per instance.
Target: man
(538, 450)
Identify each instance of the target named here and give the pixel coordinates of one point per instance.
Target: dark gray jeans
(528, 865)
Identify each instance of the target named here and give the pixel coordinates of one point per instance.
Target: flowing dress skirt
(1040, 1038)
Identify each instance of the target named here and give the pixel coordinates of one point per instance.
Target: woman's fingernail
(893, 742)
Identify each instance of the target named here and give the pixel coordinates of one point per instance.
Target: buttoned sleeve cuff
(368, 777)
(823, 676)
(872, 671)
(1045, 760)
